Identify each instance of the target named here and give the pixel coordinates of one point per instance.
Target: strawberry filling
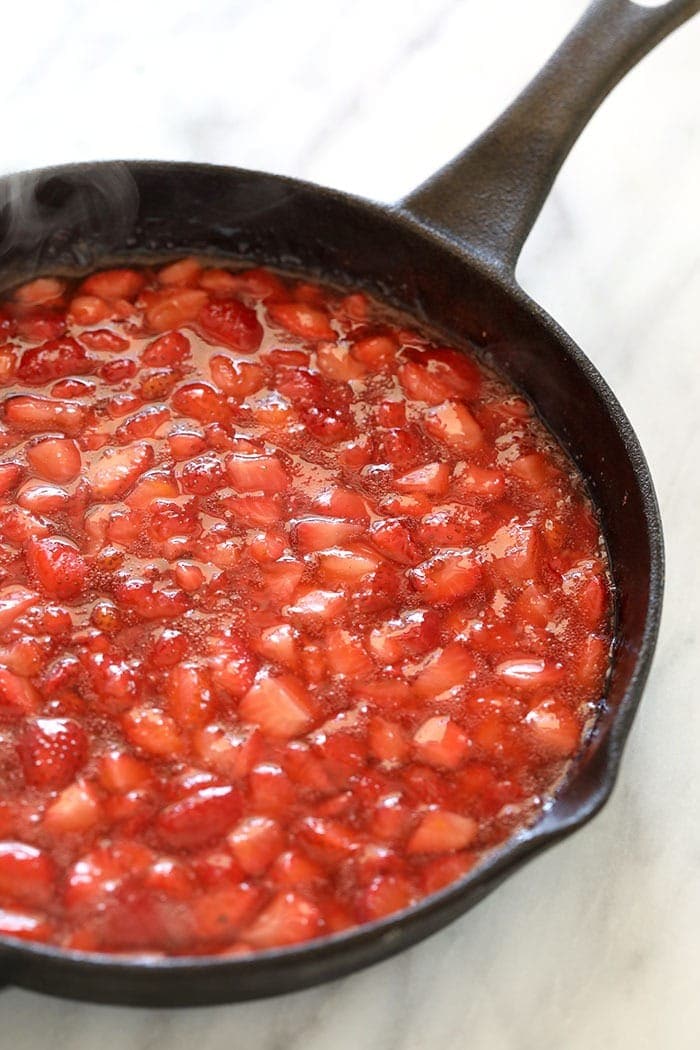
(302, 612)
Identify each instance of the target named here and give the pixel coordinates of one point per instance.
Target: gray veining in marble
(597, 942)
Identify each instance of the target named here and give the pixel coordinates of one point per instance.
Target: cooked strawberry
(169, 309)
(349, 565)
(229, 322)
(449, 667)
(32, 414)
(199, 818)
(51, 751)
(446, 576)
(57, 459)
(236, 378)
(337, 363)
(529, 672)
(432, 479)
(27, 874)
(388, 742)
(412, 633)
(202, 402)
(385, 895)
(393, 538)
(183, 273)
(28, 926)
(114, 284)
(57, 566)
(40, 290)
(279, 705)
(513, 552)
(440, 742)
(14, 600)
(77, 809)
(253, 473)
(219, 915)
(554, 728)
(378, 351)
(121, 772)
(441, 831)
(152, 731)
(454, 425)
(288, 919)
(255, 843)
(52, 360)
(116, 470)
(302, 320)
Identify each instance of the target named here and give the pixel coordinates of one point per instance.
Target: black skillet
(446, 253)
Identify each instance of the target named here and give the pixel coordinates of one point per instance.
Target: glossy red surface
(300, 611)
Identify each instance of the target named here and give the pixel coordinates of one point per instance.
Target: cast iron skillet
(447, 252)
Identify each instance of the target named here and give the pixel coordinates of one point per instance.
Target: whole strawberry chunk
(229, 322)
(51, 751)
(58, 567)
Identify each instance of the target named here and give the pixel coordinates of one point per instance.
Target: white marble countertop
(596, 942)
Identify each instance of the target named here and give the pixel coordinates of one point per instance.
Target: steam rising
(66, 216)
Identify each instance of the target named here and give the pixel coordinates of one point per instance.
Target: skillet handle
(488, 197)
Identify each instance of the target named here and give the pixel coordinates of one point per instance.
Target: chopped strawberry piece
(441, 831)
(168, 309)
(52, 360)
(77, 809)
(453, 424)
(58, 567)
(27, 874)
(378, 352)
(529, 672)
(301, 320)
(446, 668)
(255, 843)
(33, 414)
(229, 322)
(446, 577)
(167, 350)
(251, 473)
(199, 818)
(236, 378)
(41, 290)
(56, 459)
(202, 402)
(289, 919)
(385, 895)
(28, 926)
(116, 470)
(388, 741)
(433, 480)
(440, 742)
(182, 273)
(114, 284)
(220, 914)
(279, 705)
(412, 633)
(14, 600)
